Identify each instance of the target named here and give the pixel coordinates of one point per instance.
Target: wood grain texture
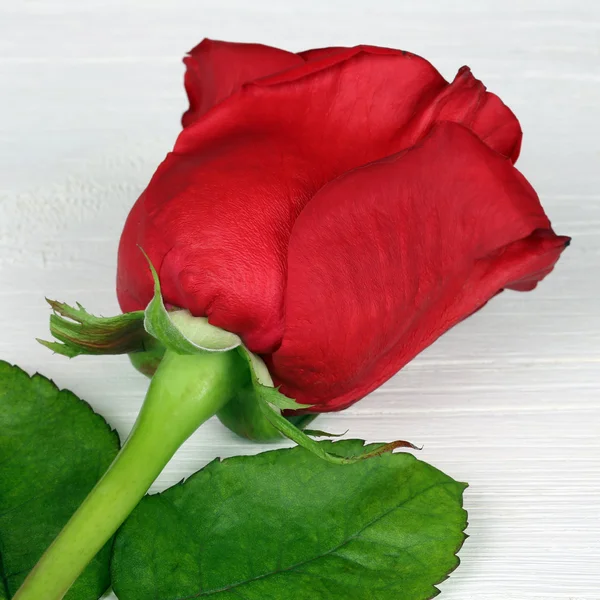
(509, 400)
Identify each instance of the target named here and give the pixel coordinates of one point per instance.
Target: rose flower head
(339, 209)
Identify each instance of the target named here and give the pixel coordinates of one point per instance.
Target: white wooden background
(90, 100)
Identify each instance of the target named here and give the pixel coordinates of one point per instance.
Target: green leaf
(284, 524)
(3, 584)
(53, 449)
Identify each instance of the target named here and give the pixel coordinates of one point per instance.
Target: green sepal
(263, 384)
(271, 401)
(320, 433)
(200, 335)
(303, 420)
(79, 332)
(290, 431)
(147, 361)
(243, 414)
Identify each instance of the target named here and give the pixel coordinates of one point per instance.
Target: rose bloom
(338, 208)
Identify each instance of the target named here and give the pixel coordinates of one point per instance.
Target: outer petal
(466, 101)
(216, 226)
(388, 257)
(214, 70)
(497, 126)
(318, 53)
(341, 110)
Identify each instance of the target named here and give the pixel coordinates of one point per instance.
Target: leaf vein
(231, 587)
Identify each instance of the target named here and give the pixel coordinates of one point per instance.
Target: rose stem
(184, 392)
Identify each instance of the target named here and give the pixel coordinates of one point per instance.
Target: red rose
(339, 209)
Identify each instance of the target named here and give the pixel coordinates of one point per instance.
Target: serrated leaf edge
(222, 461)
(64, 391)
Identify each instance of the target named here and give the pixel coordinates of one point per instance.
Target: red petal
(341, 111)
(217, 69)
(216, 226)
(318, 53)
(498, 127)
(134, 282)
(466, 101)
(388, 257)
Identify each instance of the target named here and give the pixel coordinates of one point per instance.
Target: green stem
(183, 394)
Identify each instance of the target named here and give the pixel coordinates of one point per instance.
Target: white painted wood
(509, 401)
